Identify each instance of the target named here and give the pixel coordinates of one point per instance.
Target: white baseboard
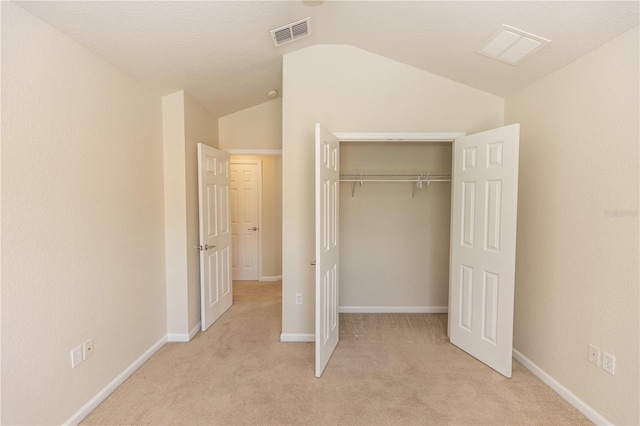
(195, 330)
(297, 337)
(393, 309)
(276, 278)
(565, 393)
(175, 337)
(113, 385)
(183, 337)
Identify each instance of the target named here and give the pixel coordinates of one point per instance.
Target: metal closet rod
(417, 178)
(395, 177)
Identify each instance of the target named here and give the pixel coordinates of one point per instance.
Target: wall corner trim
(195, 330)
(565, 393)
(91, 405)
(298, 337)
(183, 337)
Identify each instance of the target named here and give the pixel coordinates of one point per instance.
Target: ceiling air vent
(291, 32)
(512, 45)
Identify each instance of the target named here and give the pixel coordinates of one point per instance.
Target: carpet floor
(388, 369)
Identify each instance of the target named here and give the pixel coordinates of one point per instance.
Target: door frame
(424, 137)
(259, 180)
(384, 138)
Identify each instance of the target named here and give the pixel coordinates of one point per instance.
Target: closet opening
(394, 215)
(482, 237)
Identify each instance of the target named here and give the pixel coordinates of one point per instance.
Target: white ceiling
(221, 52)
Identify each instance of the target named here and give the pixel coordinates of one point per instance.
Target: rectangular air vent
(291, 32)
(512, 45)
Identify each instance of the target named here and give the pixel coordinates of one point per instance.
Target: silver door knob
(255, 228)
(207, 246)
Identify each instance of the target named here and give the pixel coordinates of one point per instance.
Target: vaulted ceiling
(221, 52)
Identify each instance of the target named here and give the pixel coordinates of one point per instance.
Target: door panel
(327, 234)
(245, 189)
(215, 236)
(483, 237)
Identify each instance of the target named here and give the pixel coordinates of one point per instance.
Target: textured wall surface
(82, 217)
(200, 127)
(258, 127)
(350, 90)
(577, 254)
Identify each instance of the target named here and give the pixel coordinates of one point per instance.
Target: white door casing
(216, 290)
(483, 245)
(245, 219)
(327, 256)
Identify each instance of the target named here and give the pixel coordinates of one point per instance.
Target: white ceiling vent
(512, 45)
(291, 32)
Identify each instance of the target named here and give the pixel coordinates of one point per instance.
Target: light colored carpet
(388, 369)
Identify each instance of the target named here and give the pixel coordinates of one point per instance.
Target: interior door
(215, 234)
(483, 245)
(327, 280)
(244, 220)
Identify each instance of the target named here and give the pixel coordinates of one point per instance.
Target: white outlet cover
(609, 363)
(87, 349)
(594, 355)
(76, 357)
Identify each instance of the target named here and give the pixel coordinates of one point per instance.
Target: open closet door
(483, 245)
(327, 196)
(215, 234)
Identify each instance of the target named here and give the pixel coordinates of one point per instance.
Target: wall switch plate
(298, 298)
(594, 355)
(76, 357)
(609, 363)
(87, 349)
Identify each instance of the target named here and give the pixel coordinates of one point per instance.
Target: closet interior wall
(394, 240)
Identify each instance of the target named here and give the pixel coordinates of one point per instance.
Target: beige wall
(577, 264)
(175, 214)
(255, 129)
(271, 238)
(185, 124)
(258, 127)
(348, 89)
(82, 217)
(200, 127)
(394, 244)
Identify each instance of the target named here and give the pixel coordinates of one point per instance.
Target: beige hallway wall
(257, 129)
(185, 124)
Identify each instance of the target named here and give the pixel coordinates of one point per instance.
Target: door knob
(207, 246)
(255, 228)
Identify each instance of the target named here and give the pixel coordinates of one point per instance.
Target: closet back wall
(394, 248)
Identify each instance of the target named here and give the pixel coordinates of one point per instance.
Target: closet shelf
(418, 178)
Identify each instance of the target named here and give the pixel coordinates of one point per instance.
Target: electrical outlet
(76, 357)
(594, 355)
(298, 298)
(609, 363)
(87, 349)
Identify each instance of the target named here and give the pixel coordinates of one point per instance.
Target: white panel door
(245, 220)
(215, 234)
(483, 245)
(327, 196)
